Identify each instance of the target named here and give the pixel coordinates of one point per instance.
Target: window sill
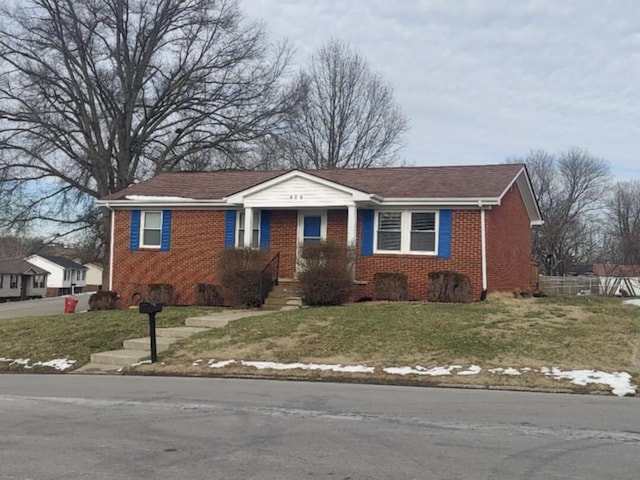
(418, 254)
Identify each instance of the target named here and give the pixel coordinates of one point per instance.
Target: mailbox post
(151, 309)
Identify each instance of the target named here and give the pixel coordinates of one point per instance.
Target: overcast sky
(484, 80)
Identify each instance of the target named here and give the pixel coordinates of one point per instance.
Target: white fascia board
(527, 195)
(439, 202)
(129, 204)
(238, 198)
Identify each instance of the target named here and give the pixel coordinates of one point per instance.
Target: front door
(312, 227)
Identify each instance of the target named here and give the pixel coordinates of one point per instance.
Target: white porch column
(248, 226)
(352, 225)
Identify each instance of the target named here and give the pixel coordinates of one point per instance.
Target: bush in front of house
(103, 300)
(239, 271)
(209, 295)
(325, 273)
(161, 293)
(450, 287)
(390, 286)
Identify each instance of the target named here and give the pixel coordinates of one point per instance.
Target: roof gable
(61, 262)
(305, 188)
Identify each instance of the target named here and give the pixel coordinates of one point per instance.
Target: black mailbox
(148, 307)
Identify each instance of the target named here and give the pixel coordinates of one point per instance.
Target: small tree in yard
(326, 273)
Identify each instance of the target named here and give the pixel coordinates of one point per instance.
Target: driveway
(42, 306)
(128, 428)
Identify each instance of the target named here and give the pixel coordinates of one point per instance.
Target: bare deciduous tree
(96, 94)
(570, 187)
(624, 223)
(346, 116)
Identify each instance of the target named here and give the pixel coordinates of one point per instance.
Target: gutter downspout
(111, 234)
(483, 240)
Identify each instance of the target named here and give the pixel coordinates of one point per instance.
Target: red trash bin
(70, 305)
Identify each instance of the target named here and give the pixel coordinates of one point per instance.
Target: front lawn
(77, 336)
(568, 332)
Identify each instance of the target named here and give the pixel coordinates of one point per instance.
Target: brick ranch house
(471, 219)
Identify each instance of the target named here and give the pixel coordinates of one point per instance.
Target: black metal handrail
(269, 277)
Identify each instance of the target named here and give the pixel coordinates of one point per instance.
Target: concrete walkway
(136, 350)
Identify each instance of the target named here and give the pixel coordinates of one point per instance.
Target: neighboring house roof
(613, 270)
(19, 266)
(62, 261)
(473, 181)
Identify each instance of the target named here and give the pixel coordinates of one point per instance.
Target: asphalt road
(42, 306)
(85, 427)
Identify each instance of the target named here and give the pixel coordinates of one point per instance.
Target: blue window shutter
(165, 237)
(367, 233)
(444, 234)
(230, 229)
(265, 229)
(134, 236)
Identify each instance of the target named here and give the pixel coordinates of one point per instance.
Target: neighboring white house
(66, 276)
(94, 277)
(21, 280)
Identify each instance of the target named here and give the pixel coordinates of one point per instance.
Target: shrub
(390, 286)
(239, 273)
(325, 273)
(450, 287)
(103, 300)
(208, 295)
(160, 293)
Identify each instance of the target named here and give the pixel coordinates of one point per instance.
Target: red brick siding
(465, 258)
(198, 235)
(196, 238)
(508, 244)
(284, 233)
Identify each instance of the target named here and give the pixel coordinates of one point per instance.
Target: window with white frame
(13, 281)
(390, 231)
(38, 281)
(406, 231)
(255, 234)
(66, 275)
(151, 229)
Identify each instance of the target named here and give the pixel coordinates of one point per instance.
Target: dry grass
(570, 333)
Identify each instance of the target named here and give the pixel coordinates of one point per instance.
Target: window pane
(152, 220)
(389, 221)
(256, 218)
(151, 237)
(423, 221)
(388, 240)
(254, 238)
(423, 241)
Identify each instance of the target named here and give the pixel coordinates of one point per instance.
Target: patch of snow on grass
(309, 366)
(505, 371)
(419, 370)
(143, 362)
(59, 364)
(635, 301)
(620, 382)
(220, 364)
(472, 370)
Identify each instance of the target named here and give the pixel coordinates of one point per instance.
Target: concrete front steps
(284, 296)
(138, 349)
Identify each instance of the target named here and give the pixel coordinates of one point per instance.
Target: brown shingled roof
(472, 181)
(18, 266)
